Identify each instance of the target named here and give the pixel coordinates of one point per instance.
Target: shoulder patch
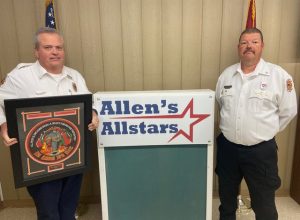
(289, 85)
(2, 81)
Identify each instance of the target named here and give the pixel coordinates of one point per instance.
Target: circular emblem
(52, 141)
(289, 85)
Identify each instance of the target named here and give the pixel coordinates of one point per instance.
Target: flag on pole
(50, 16)
(251, 18)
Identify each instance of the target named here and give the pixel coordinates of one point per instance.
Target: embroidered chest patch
(289, 85)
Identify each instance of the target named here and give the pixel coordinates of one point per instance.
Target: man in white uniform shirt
(257, 100)
(47, 77)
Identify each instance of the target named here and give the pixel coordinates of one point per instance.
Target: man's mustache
(248, 50)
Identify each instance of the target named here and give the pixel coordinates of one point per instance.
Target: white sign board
(155, 117)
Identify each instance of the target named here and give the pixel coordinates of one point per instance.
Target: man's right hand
(6, 139)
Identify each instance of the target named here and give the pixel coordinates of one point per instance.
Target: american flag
(50, 16)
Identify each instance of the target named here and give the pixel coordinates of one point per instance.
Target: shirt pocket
(42, 93)
(260, 100)
(226, 98)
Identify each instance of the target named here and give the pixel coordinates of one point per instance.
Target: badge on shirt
(263, 85)
(289, 85)
(74, 87)
(227, 90)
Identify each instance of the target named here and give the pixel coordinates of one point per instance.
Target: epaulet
(22, 65)
(19, 66)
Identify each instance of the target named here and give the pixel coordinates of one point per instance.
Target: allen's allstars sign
(155, 117)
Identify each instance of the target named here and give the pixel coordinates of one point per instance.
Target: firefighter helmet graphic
(51, 141)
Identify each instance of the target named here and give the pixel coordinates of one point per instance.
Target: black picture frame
(53, 137)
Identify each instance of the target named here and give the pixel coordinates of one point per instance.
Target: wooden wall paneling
(295, 182)
(2, 73)
(290, 26)
(211, 43)
(245, 13)
(292, 171)
(90, 190)
(40, 9)
(232, 16)
(210, 54)
(111, 34)
(89, 18)
(259, 13)
(69, 26)
(172, 43)
(25, 29)
(9, 59)
(10, 50)
(152, 44)
(297, 75)
(95, 179)
(131, 12)
(271, 27)
(6, 175)
(289, 32)
(191, 44)
(293, 132)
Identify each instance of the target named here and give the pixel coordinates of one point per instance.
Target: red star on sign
(198, 117)
(188, 108)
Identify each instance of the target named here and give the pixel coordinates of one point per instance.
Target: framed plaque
(53, 137)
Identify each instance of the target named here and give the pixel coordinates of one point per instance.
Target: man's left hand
(95, 122)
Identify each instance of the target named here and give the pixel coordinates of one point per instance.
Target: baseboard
(29, 202)
(90, 199)
(20, 203)
(96, 199)
(245, 192)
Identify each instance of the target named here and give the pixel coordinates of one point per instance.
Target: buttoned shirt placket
(241, 97)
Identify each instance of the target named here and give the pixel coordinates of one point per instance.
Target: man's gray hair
(251, 31)
(44, 30)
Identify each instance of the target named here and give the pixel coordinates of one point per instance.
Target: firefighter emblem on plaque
(51, 140)
(52, 134)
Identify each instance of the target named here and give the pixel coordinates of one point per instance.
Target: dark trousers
(257, 164)
(57, 200)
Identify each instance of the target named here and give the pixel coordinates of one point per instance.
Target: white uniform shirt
(32, 80)
(255, 108)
